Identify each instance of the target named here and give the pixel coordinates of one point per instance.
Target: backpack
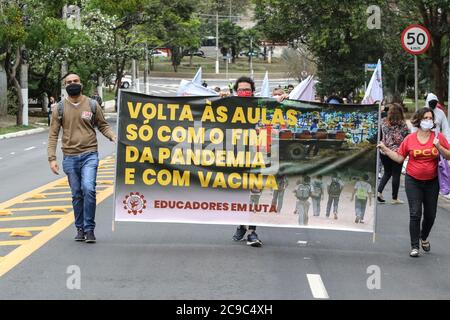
(92, 104)
(335, 188)
(317, 189)
(303, 191)
(361, 193)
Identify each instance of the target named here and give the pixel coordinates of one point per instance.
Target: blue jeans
(81, 172)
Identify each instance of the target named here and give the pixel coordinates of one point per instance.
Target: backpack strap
(92, 105)
(60, 107)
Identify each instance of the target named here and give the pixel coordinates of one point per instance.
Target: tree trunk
(3, 90)
(11, 71)
(190, 60)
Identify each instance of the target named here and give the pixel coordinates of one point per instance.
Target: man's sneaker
(357, 220)
(252, 240)
(335, 216)
(90, 237)
(397, 201)
(380, 200)
(240, 233)
(81, 236)
(414, 253)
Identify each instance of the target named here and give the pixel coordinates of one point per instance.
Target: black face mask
(433, 104)
(73, 89)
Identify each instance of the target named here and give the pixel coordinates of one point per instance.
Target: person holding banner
(245, 87)
(77, 116)
(421, 182)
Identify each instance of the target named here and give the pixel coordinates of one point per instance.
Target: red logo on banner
(134, 203)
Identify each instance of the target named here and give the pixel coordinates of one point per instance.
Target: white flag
(198, 76)
(309, 92)
(265, 91)
(189, 88)
(374, 90)
(299, 90)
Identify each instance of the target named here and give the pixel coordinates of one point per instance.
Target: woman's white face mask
(426, 124)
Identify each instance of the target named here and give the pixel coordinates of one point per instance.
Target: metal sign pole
(416, 83)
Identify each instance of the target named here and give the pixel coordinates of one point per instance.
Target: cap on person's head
(334, 101)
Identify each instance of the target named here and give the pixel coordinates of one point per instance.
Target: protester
(51, 102)
(78, 118)
(315, 145)
(277, 92)
(245, 87)
(290, 87)
(421, 181)
(393, 130)
(96, 97)
(439, 116)
(334, 190)
(363, 192)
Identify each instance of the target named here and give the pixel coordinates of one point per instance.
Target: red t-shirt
(423, 158)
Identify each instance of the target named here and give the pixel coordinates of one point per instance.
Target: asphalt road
(185, 261)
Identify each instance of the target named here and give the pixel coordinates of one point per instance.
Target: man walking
(77, 115)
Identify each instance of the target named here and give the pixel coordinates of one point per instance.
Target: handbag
(444, 175)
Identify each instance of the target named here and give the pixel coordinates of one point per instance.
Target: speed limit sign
(416, 39)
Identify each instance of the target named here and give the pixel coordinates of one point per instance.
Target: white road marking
(30, 148)
(317, 287)
(44, 142)
(13, 153)
(1, 158)
(303, 243)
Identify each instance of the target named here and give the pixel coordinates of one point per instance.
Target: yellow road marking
(7, 230)
(45, 217)
(58, 209)
(56, 187)
(56, 193)
(30, 246)
(40, 208)
(21, 233)
(47, 200)
(38, 196)
(12, 243)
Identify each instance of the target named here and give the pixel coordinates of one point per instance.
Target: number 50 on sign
(416, 39)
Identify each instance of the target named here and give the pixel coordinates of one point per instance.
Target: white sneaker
(414, 253)
(397, 201)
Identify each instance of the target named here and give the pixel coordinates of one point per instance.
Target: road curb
(22, 133)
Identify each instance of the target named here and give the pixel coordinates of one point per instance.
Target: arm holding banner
(391, 154)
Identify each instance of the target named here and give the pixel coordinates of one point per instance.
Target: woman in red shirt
(421, 181)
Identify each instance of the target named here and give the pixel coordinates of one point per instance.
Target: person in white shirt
(440, 118)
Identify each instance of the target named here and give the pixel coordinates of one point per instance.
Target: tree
(12, 37)
(332, 31)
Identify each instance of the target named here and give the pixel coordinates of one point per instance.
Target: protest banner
(246, 161)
